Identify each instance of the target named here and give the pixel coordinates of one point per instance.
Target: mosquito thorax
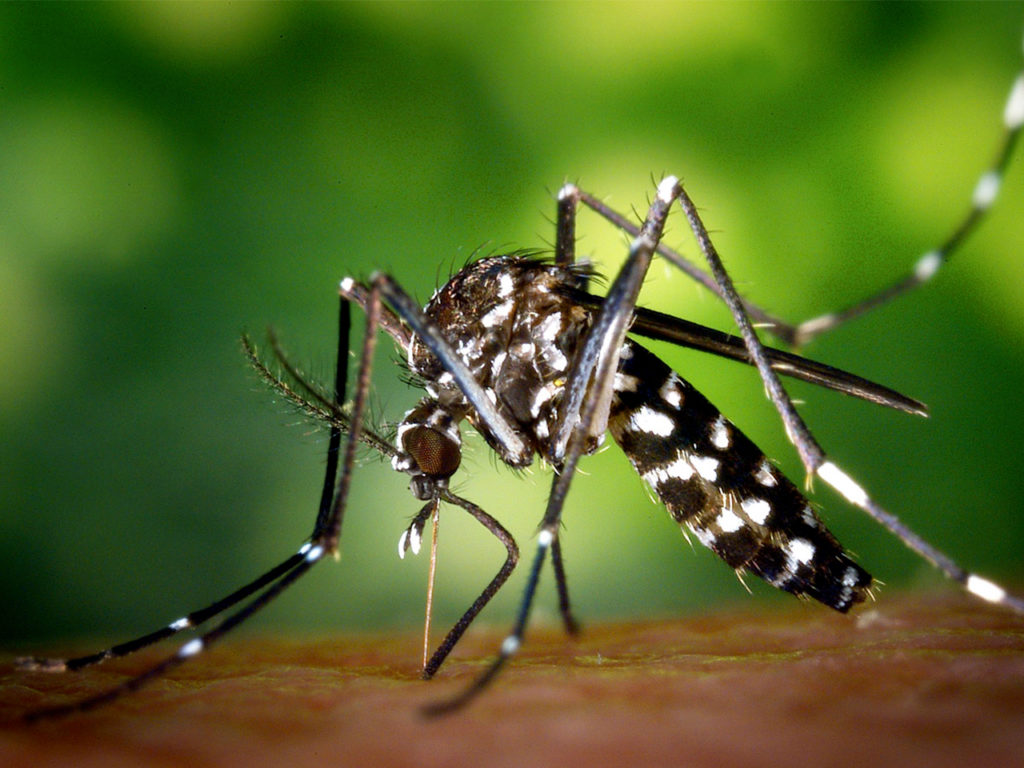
(513, 321)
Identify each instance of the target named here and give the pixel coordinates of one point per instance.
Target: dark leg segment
(580, 417)
(564, 608)
(275, 581)
(456, 632)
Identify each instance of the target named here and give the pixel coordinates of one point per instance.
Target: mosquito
(518, 346)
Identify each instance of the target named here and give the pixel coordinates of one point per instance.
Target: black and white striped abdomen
(713, 479)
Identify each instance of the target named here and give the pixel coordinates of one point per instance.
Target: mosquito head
(436, 456)
(429, 448)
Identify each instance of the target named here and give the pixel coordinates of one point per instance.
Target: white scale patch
(509, 645)
(728, 521)
(706, 467)
(987, 190)
(807, 513)
(497, 362)
(402, 429)
(985, 589)
(498, 315)
(191, 648)
(647, 420)
(525, 350)
(927, 265)
(720, 437)
(671, 392)
(765, 475)
(550, 326)
(757, 510)
(850, 577)
(1013, 115)
(704, 536)
(679, 469)
(505, 285)
(843, 483)
(468, 349)
(555, 358)
(798, 552)
(544, 394)
(410, 539)
(440, 419)
(817, 324)
(625, 383)
(667, 189)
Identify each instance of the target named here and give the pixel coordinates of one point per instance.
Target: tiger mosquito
(518, 347)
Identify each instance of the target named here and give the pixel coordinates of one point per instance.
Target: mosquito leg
(328, 527)
(359, 294)
(508, 647)
(325, 535)
(196, 618)
(564, 608)
(595, 364)
(581, 418)
(811, 453)
(334, 441)
(976, 585)
(311, 555)
(796, 335)
(985, 193)
(777, 326)
(565, 226)
(511, 559)
(509, 435)
(193, 619)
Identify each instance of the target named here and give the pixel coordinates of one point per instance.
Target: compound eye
(436, 454)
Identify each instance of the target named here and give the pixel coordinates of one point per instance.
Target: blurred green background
(171, 175)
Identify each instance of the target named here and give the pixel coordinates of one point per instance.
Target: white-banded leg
(511, 559)
(323, 540)
(986, 190)
(985, 193)
(508, 434)
(813, 457)
(582, 415)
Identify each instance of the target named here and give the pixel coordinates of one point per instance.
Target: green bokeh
(171, 175)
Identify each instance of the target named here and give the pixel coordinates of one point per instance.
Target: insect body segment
(429, 447)
(518, 347)
(714, 480)
(512, 322)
